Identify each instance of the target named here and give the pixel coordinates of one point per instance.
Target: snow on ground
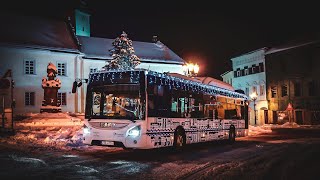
(170, 170)
(50, 130)
(255, 130)
(290, 125)
(63, 131)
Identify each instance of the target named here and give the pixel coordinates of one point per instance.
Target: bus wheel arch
(232, 134)
(179, 137)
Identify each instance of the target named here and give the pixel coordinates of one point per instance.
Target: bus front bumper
(114, 138)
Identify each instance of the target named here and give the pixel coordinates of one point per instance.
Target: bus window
(158, 104)
(197, 108)
(118, 102)
(210, 111)
(96, 103)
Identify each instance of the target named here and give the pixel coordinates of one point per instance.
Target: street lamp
(254, 97)
(191, 69)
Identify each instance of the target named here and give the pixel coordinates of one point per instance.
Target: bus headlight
(134, 131)
(86, 130)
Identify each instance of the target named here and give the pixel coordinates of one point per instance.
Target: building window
(246, 70)
(261, 67)
(238, 72)
(284, 90)
(254, 69)
(230, 81)
(93, 70)
(247, 91)
(29, 98)
(297, 89)
(29, 67)
(62, 69)
(261, 90)
(273, 91)
(62, 97)
(254, 89)
(311, 88)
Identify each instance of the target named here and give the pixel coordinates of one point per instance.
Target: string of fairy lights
(163, 79)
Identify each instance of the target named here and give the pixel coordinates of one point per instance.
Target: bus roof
(205, 84)
(206, 80)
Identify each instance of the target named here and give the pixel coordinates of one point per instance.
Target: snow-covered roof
(94, 47)
(215, 82)
(38, 32)
(289, 46)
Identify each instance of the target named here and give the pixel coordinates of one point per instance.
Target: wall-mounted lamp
(78, 83)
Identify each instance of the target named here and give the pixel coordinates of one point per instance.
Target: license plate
(108, 143)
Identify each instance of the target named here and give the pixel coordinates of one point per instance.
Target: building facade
(28, 44)
(250, 77)
(293, 76)
(227, 77)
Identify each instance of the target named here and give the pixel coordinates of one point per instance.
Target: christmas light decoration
(133, 76)
(122, 54)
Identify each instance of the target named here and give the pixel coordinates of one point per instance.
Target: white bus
(143, 109)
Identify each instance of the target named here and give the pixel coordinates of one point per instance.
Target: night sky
(209, 34)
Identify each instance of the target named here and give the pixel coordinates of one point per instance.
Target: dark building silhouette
(293, 76)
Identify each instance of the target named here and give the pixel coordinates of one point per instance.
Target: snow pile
(290, 125)
(255, 130)
(57, 137)
(49, 120)
(48, 130)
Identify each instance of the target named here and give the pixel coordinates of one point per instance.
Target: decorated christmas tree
(123, 56)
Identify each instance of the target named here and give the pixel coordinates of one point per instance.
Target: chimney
(154, 39)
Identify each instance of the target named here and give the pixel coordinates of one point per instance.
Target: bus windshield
(119, 101)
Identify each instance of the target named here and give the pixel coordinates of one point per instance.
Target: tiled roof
(94, 47)
(32, 31)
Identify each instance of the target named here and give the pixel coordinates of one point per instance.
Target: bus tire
(232, 134)
(179, 138)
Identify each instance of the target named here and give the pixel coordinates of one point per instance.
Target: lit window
(62, 97)
(29, 67)
(62, 69)
(29, 98)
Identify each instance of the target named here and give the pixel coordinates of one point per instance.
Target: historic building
(28, 44)
(285, 80)
(293, 76)
(249, 76)
(227, 77)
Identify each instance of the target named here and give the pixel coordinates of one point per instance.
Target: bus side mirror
(74, 87)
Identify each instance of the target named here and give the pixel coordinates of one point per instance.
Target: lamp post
(191, 69)
(254, 97)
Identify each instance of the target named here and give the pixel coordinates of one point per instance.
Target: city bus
(142, 109)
